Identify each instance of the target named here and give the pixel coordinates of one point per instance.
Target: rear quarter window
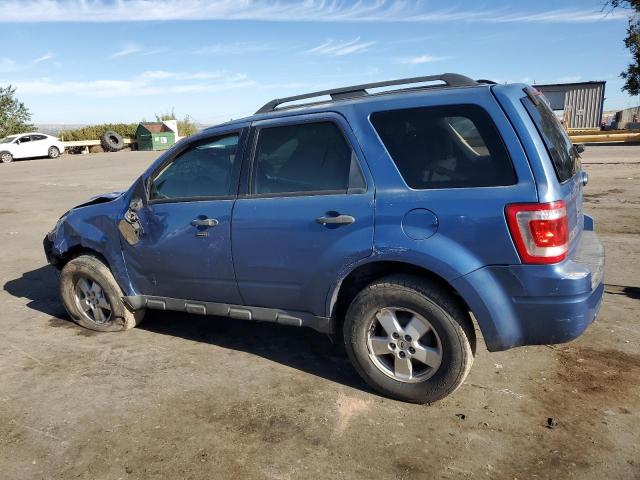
(452, 146)
(565, 160)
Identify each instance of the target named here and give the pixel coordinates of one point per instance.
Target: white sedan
(29, 145)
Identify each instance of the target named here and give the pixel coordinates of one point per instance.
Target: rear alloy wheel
(409, 338)
(410, 353)
(6, 157)
(93, 298)
(53, 152)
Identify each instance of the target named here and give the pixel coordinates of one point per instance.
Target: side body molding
(241, 312)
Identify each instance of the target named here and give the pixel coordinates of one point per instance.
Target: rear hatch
(564, 158)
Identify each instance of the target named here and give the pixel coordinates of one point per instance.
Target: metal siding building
(582, 103)
(628, 118)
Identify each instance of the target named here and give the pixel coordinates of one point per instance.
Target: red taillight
(539, 230)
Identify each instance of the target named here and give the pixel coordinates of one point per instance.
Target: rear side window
(563, 156)
(451, 146)
(306, 157)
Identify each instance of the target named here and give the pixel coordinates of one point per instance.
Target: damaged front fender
(91, 226)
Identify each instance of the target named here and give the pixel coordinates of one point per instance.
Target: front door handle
(337, 220)
(204, 222)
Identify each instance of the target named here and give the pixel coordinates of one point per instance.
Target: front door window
(204, 170)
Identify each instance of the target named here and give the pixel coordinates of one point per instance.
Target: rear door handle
(204, 222)
(337, 220)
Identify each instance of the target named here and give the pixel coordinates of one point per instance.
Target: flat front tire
(409, 338)
(93, 298)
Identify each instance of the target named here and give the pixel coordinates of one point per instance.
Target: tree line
(15, 118)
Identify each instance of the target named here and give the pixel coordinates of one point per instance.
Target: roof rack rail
(354, 91)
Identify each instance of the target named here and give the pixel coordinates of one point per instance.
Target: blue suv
(396, 216)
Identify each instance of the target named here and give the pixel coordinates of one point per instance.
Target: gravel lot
(195, 397)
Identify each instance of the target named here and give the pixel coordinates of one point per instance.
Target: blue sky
(89, 61)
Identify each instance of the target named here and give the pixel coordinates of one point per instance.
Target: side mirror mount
(579, 148)
(139, 196)
(136, 204)
(130, 226)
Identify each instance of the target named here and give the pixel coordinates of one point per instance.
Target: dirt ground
(199, 398)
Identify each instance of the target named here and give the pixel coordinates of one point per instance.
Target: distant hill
(55, 128)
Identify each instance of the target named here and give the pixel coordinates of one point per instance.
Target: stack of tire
(112, 141)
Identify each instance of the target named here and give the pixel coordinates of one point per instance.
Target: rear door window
(563, 156)
(305, 158)
(453, 146)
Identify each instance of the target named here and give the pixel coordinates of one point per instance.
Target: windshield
(8, 139)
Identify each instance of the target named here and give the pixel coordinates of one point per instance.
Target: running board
(241, 312)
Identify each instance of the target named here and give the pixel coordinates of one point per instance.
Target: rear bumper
(519, 305)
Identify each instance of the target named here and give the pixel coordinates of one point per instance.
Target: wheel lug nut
(392, 346)
(407, 338)
(402, 354)
(395, 335)
(412, 350)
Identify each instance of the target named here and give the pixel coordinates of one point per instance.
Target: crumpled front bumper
(47, 243)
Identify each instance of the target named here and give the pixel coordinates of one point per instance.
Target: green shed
(154, 136)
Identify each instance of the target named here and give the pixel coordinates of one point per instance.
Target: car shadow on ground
(40, 287)
(300, 348)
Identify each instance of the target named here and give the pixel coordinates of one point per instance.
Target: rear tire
(409, 339)
(93, 298)
(53, 152)
(6, 157)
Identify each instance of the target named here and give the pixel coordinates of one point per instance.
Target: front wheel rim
(92, 301)
(6, 158)
(53, 152)
(403, 345)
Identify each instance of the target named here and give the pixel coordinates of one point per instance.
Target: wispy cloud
(43, 58)
(155, 51)
(233, 48)
(128, 49)
(570, 79)
(419, 60)
(158, 75)
(157, 82)
(287, 86)
(340, 48)
(7, 64)
(279, 10)
(152, 75)
(561, 15)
